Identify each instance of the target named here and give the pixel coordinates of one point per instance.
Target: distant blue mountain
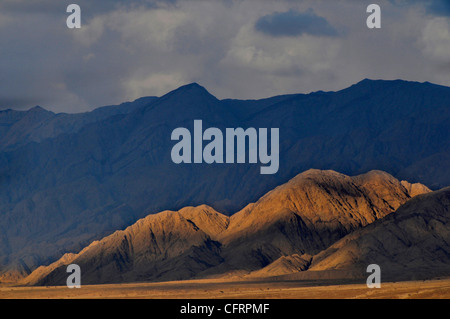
(67, 179)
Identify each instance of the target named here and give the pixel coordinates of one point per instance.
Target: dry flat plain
(204, 289)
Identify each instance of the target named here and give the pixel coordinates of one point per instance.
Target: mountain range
(319, 221)
(69, 179)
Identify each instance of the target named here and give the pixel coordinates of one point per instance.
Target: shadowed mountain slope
(411, 244)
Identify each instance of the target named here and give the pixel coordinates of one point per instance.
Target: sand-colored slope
(413, 243)
(308, 214)
(303, 216)
(324, 199)
(170, 245)
(415, 189)
(283, 266)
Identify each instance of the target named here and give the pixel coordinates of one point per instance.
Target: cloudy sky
(235, 48)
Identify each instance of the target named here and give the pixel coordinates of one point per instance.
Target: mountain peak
(192, 85)
(192, 89)
(188, 101)
(38, 109)
(385, 83)
(320, 172)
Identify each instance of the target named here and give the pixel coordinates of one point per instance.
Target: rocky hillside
(411, 244)
(294, 221)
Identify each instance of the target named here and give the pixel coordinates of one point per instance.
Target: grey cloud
(42, 63)
(16, 103)
(294, 23)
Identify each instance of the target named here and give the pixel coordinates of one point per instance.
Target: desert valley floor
(227, 289)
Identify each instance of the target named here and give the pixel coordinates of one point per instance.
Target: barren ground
(204, 289)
